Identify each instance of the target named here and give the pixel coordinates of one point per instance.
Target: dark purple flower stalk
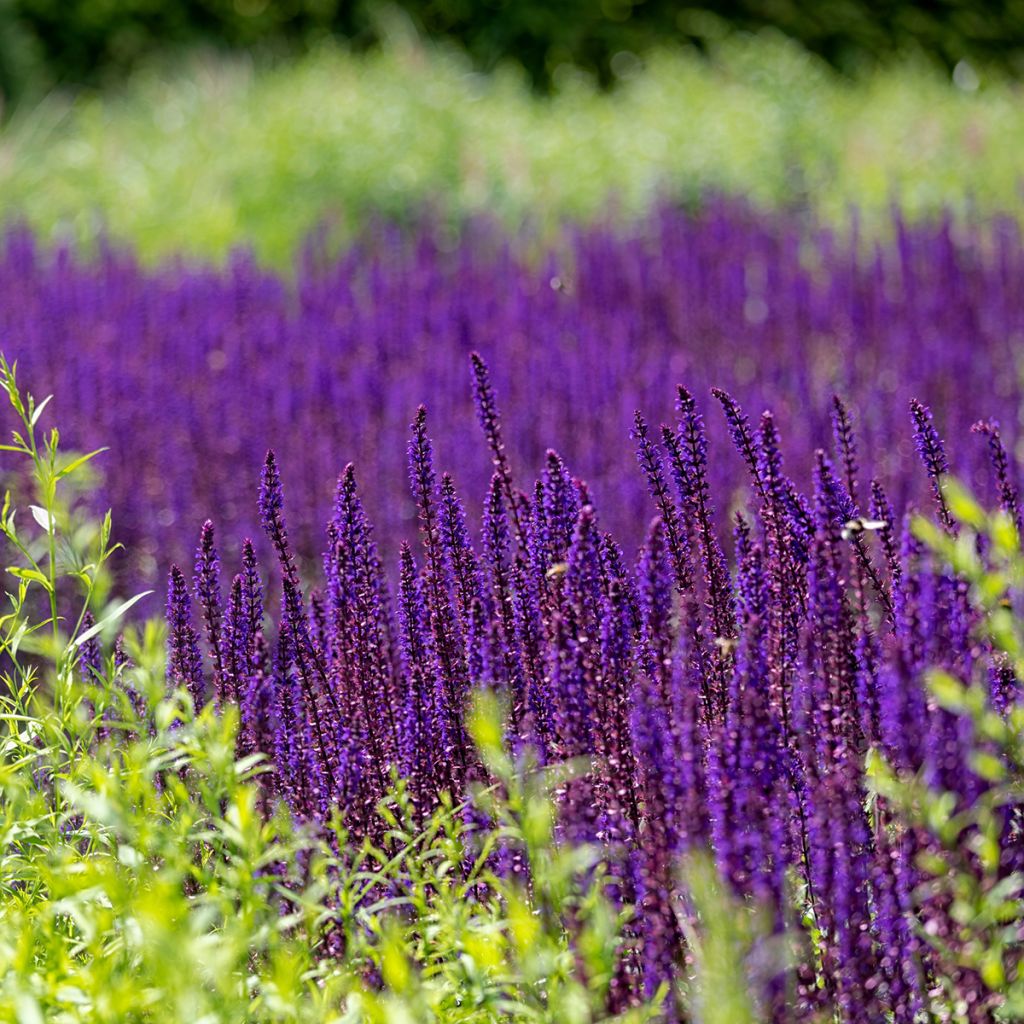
(1009, 493)
(899, 950)
(690, 461)
(461, 559)
(684, 760)
(496, 543)
(317, 698)
(90, 654)
(487, 412)
(743, 439)
(658, 839)
(615, 693)
(412, 616)
(318, 620)
(421, 735)
(296, 754)
(837, 513)
(649, 458)
(357, 628)
(252, 590)
(573, 722)
(933, 455)
(882, 512)
(448, 643)
(206, 584)
(481, 654)
(615, 573)
(744, 763)
(184, 660)
(424, 489)
(846, 447)
(257, 713)
(559, 505)
(833, 506)
(530, 638)
(656, 606)
(318, 692)
(231, 682)
(271, 507)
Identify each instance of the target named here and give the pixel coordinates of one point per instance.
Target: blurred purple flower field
(191, 373)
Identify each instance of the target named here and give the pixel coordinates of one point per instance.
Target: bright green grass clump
(218, 153)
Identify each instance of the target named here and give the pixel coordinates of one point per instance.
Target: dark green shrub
(83, 41)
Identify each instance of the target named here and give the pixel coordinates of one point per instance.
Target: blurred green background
(202, 125)
(78, 41)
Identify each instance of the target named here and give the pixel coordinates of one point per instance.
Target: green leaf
(962, 504)
(80, 461)
(39, 410)
(43, 518)
(988, 766)
(929, 534)
(19, 635)
(992, 971)
(29, 574)
(108, 619)
(948, 690)
(28, 1010)
(1004, 534)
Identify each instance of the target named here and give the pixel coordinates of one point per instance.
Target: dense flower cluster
(193, 372)
(714, 701)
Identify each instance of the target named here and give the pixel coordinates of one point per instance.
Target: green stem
(58, 655)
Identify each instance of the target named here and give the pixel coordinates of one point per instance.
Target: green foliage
(220, 153)
(964, 858)
(456, 940)
(60, 549)
(135, 879)
(722, 937)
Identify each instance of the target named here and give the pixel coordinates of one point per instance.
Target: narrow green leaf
(80, 461)
(29, 574)
(19, 635)
(107, 619)
(42, 517)
(39, 410)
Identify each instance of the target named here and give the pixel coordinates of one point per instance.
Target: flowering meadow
(473, 557)
(196, 372)
(596, 633)
(704, 705)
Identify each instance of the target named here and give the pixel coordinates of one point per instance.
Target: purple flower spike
(90, 655)
(271, 507)
(846, 445)
(690, 464)
(487, 412)
(252, 589)
(184, 661)
(933, 455)
(743, 439)
(649, 457)
(1009, 492)
(206, 583)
